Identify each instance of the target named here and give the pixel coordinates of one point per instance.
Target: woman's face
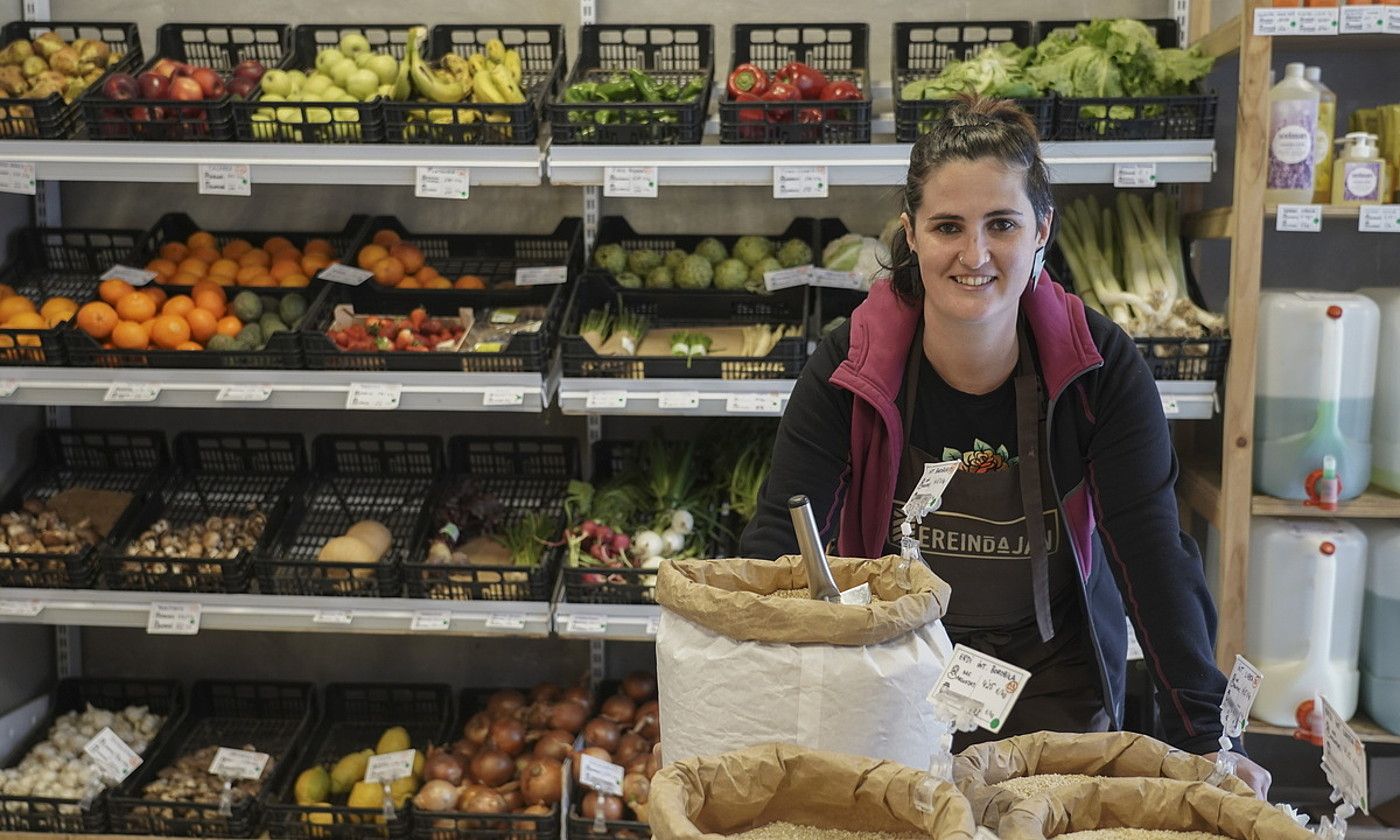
(975, 236)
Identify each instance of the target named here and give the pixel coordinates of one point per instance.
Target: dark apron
(1013, 585)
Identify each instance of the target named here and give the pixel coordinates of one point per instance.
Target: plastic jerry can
(1315, 386)
(1303, 620)
(1385, 418)
(1380, 624)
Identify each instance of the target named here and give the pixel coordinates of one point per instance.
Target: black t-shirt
(979, 429)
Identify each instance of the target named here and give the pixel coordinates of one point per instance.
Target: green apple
(317, 84)
(385, 66)
(342, 71)
(363, 58)
(328, 58)
(332, 93)
(353, 44)
(318, 115)
(345, 97)
(273, 97)
(276, 82)
(362, 84)
(298, 79)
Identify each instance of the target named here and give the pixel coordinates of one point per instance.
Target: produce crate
(1190, 117)
(64, 816)
(322, 121)
(922, 50)
(118, 460)
(526, 475)
(269, 717)
(675, 53)
(839, 50)
(177, 227)
(51, 118)
(220, 46)
(53, 262)
(354, 718)
(541, 50)
(219, 474)
(389, 479)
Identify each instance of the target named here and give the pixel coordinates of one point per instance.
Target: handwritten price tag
(8, 387)
(131, 392)
(1240, 692)
(238, 764)
(542, 275)
(754, 404)
(134, 276)
(442, 182)
(430, 621)
(173, 620)
(1344, 759)
(829, 279)
(28, 609)
(1320, 21)
(1360, 20)
(389, 767)
(225, 179)
(244, 393)
(18, 178)
(1379, 218)
(602, 776)
(629, 181)
(587, 623)
(333, 617)
(373, 396)
(503, 396)
(114, 759)
(606, 399)
(1299, 218)
(1135, 175)
(800, 182)
(786, 278)
(677, 400)
(504, 621)
(344, 274)
(988, 684)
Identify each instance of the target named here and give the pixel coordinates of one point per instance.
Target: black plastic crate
(51, 118)
(526, 475)
(541, 51)
(56, 262)
(52, 815)
(100, 460)
(388, 479)
(923, 49)
(269, 717)
(177, 227)
(219, 46)
(674, 53)
(219, 474)
(354, 718)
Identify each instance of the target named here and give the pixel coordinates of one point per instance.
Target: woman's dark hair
(973, 129)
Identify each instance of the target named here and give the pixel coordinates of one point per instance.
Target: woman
(972, 353)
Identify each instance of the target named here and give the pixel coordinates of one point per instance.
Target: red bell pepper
(809, 115)
(780, 92)
(747, 78)
(840, 89)
(808, 80)
(749, 116)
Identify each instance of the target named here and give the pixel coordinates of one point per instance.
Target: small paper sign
(373, 396)
(988, 684)
(754, 404)
(442, 182)
(1379, 218)
(173, 619)
(606, 400)
(1361, 20)
(602, 776)
(799, 182)
(225, 179)
(134, 276)
(1299, 218)
(786, 278)
(18, 178)
(389, 767)
(857, 595)
(1316, 21)
(8, 387)
(114, 759)
(1170, 406)
(244, 393)
(1344, 759)
(346, 275)
(505, 621)
(131, 392)
(932, 483)
(503, 396)
(629, 181)
(1240, 692)
(1392, 20)
(1134, 175)
(238, 764)
(333, 617)
(430, 621)
(587, 623)
(677, 400)
(829, 279)
(28, 608)
(542, 275)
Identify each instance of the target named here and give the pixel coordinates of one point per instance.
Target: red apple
(242, 87)
(182, 70)
(251, 69)
(185, 89)
(121, 86)
(165, 67)
(153, 85)
(208, 81)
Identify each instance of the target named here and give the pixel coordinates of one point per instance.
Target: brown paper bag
(1161, 804)
(708, 798)
(1111, 754)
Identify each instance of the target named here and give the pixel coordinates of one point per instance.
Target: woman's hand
(1251, 774)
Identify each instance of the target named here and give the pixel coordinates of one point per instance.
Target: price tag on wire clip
(225, 179)
(389, 767)
(238, 764)
(787, 278)
(115, 760)
(990, 686)
(1240, 692)
(1344, 759)
(1362, 20)
(133, 276)
(926, 494)
(333, 617)
(602, 776)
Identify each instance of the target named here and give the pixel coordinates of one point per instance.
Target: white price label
(799, 182)
(1379, 218)
(389, 767)
(602, 776)
(932, 483)
(131, 392)
(373, 396)
(677, 400)
(1240, 692)
(1134, 175)
(18, 178)
(503, 396)
(173, 619)
(629, 181)
(990, 686)
(1170, 406)
(653, 625)
(1318, 21)
(244, 393)
(8, 387)
(506, 621)
(134, 276)
(1344, 759)
(754, 404)
(857, 595)
(587, 623)
(1392, 20)
(829, 279)
(442, 182)
(346, 275)
(1360, 20)
(114, 759)
(786, 278)
(542, 275)
(225, 179)
(29, 608)
(238, 764)
(1299, 218)
(333, 617)
(430, 621)
(606, 399)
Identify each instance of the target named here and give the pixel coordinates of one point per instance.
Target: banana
(459, 68)
(425, 82)
(495, 50)
(477, 63)
(485, 91)
(510, 91)
(512, 63)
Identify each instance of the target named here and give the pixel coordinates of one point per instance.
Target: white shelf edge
(643, 396)
(624, 622)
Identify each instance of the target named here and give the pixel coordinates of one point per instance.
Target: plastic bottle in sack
(1293, 105)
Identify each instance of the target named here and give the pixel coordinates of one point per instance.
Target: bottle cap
(1293, 69)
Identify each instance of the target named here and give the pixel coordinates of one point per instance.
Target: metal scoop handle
(820, 583)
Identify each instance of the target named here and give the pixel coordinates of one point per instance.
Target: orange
(229, 326)
(221, 280)
(114, 290)
(189, 345)
(174, 251)
(154, 293)
(203, 324)
(319, 246)
(195, 266)
(371, 254)
(224, 267)
(237, 248)
(388, 272)
(408, 283)
(411, 257)
(274, 244)
(6, 290)
(248, 272)
(210, 286)
(208, 256)
(146, 328)
(170, 331)
(425, 273)
(282, 266)
(14, 305)
(184, 278)
(137, 307)
(261, 281)
(211, 301)
(26, 321)
(294, 281)
(200, 239)
(311, 264)
(469, 281)
(97, 319)
(56, 310)
(386, 238)
(162, 267)
(178, 305)
(257, 256)
(436, 283)
(129, 335)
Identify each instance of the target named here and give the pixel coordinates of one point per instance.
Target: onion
(520, 762)
(648, 544)
(597, 752)
(477, 728)
(537, 715)
(643, 812)
(640, 686)
(555, 744)
(674, 540)
(639, 764)
(507, 735)
(543, 781)
(579, 694)
(647, 721)
(682, 522)
(504, 703)
(601, 732)
(529, 826)
(476, 799)
(443, 765)
(568, 716)
(610, 806)
(635, 789)
(630, 746)
(492, 768)
(463, 749)
(437, 795)
(545, 692)
(619, 708)
(515, 800)
(653, 763)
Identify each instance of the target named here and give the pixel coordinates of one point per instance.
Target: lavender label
(1362, 181)
(1290, 149)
